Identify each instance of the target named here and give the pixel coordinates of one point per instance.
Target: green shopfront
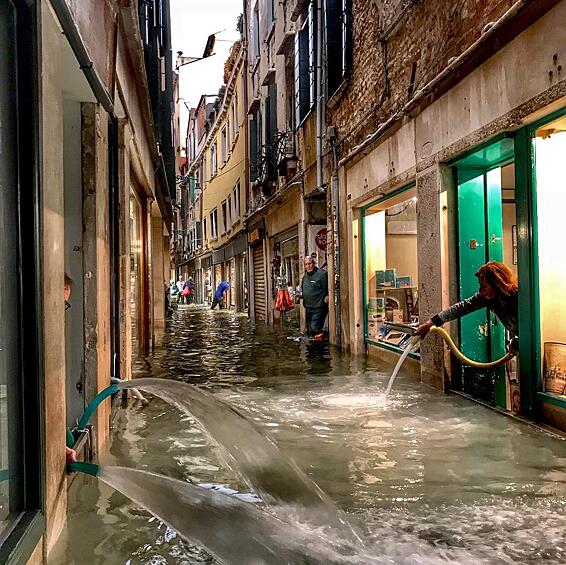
(510, 203)
(506, 202)
(390, 268)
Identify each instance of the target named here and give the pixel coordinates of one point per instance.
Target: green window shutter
(334, 53)
(253, 149)
(302, 77)
(347, 39)
(271, 133)
(312, 55)
(298, 77)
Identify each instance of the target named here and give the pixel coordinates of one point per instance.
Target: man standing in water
(314, 292)
(219, 295)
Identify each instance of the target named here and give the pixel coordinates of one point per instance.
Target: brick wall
(398, 47)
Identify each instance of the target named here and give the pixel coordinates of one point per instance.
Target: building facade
(94, 175)
(412, 152)
(215, 193)
(287, 212)
(447, 129)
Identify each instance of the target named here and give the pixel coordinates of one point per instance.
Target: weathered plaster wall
(287, 215)
(141, 148)
(96, 22)
(96, 262)
(160, 277)
(53, 277)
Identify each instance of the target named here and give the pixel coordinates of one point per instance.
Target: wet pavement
(425, 477)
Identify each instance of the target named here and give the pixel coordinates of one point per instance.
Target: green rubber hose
(83, 467)
(91, 408)
(70, 438)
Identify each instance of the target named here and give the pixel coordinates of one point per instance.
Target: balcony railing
(274, 164)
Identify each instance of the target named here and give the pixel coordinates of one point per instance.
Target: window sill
(554, 399)
(24, 535)
(311, 111)
(390, 347)
(337, 96)
(271, 31)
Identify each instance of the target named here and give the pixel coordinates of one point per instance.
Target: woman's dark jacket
(506, 308)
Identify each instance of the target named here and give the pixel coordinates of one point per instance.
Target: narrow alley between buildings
(227, 227)
(423, 477)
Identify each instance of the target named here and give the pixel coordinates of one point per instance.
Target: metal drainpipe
(336, 242)
(319, 94)
(87, 66)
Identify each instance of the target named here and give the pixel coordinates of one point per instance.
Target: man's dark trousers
(315, 319)
(216, 301)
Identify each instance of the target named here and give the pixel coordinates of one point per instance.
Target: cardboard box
(386, 278)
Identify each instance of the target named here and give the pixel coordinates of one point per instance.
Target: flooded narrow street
(423, 477)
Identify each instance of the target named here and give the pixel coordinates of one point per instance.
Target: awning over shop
(240, 245)
(206, 261)
(218, 256)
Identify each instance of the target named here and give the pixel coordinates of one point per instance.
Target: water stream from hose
(232, 531)
(409, 347)
(251, 455)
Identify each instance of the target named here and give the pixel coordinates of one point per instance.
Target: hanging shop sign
(320, 238)
(317, 239)
(254, 235)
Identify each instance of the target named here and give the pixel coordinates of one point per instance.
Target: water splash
(250, 454)
(232, 531)
(409, 347)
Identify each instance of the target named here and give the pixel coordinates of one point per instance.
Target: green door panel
(494, 237)
(474, 329)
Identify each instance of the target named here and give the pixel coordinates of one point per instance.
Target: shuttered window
(259, 283)
(271, 129)
(305, 57)
(339, 42)
(253, 148)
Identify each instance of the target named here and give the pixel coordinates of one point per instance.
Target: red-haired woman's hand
(423, 329)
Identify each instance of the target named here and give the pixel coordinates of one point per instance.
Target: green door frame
(364, 270)
(530, 353)
(473, 169)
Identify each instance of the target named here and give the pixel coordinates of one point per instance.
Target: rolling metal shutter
(259, 283)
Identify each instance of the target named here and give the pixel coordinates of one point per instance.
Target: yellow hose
(458, 354)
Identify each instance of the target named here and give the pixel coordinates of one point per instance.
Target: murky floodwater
(425, 477)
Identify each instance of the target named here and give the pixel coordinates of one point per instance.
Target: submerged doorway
(487, 231)
(139, 309)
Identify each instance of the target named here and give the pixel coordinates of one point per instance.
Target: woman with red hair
(498, 292)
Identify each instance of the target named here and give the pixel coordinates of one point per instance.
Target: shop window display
(286, 275)
(390, 269)
(550, 183)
